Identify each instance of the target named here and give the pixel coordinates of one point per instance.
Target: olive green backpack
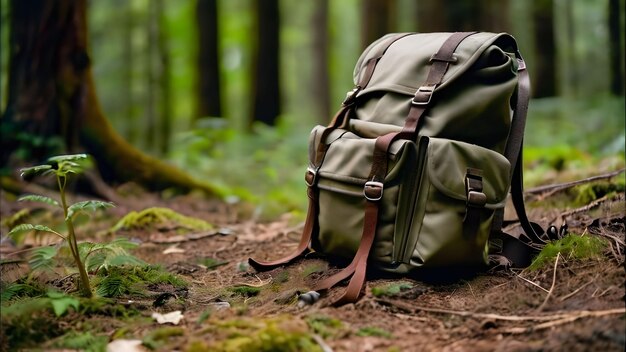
(414, 170)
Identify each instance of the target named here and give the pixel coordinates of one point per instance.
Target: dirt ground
(577, 305)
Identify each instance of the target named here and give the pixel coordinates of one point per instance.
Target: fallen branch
(547, 318)
(595, 203)
(565, 320)
(562, 186)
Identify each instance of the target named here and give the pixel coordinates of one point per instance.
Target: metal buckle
(310, 176)
(351, 95)
(374, 187)
(521, 65)
(476, 199)
(429, 89)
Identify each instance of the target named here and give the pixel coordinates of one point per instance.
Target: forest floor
(567, 304)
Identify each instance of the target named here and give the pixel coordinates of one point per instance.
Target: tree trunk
(545, 64)
(463, 15)
(208, 99)
(266, 80)
(615, 47)
(321, 78)
(165, 91)
(52, 93)
(378, 19)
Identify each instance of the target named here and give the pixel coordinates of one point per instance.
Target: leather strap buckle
(373, 191)
(310, 177)
(423, 95)
(351, 95)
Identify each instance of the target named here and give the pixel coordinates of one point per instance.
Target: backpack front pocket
(462, 187)
(341, 180)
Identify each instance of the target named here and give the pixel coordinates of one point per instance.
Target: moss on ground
(160, 217)
(571, 246)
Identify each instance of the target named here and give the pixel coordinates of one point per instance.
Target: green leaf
(61, 302)
(33, 171)
(43, 258)
(88, 205)
(69, 157)
(38, 198)
(30, 227)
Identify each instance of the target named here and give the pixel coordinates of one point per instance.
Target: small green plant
(61, 168)
(324, 326)
(391, 289)
(570, 246)
(374, 331)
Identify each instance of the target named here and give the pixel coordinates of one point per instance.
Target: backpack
(414, 170)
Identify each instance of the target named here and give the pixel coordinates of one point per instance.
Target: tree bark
(378, 19)
(321, 76)
(165, 89)
(544, 85)
(463, 15)
(208, 99)
(266, 80)
(52, 93)
(615, 47)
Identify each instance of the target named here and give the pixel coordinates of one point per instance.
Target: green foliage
(105, 255)
(87, 206)
(265, 168)
(589, 192)
(61, 302)
(324, 326)
(278, 334)
(38, 198)
(133, 280)
(20, 289)
(313, 268)
(159, 217)
(82, 341)
(28, 322)
(391, 289)
(211, 263)
(20, 229)
(374, 331)
(61, 167)
(571, 246)
(158, 337)
(43, 258)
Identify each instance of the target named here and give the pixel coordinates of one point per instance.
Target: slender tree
(463, 15)
(51, 93)
(378, 19)
(321, 76)
(164, 125)
(266, 80)
(208, 79)
(615, 47)
(544, 83)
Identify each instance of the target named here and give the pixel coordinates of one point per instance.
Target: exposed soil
(577, 305)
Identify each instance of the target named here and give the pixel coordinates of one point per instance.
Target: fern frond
(38, 198)
(88, 205)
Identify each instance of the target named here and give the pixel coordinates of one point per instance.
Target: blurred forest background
(228, 90)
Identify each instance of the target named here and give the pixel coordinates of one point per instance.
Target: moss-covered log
(52, 93)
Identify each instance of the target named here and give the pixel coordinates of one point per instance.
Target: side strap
(373, 189)
(310, 226)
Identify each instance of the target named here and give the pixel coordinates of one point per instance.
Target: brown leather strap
(310, 226)
(358, 265)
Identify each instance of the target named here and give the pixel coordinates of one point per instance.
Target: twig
(577, 290)
(562, 186)
(565, 320)
(595, 203)
(545, 301)
(548, 318)
(532, 283)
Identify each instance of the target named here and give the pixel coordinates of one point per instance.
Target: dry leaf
(171, 318)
